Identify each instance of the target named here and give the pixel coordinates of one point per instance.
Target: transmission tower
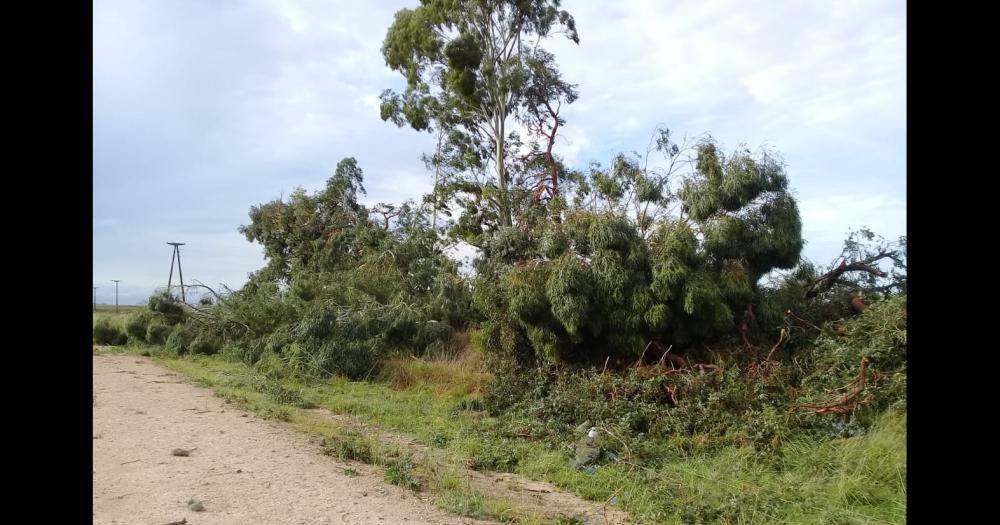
(176, 255)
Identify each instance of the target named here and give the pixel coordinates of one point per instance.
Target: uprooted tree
(620, 269)
(344, 285)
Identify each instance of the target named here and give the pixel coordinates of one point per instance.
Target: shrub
(157, 333)
(137, 325)
(165, 304)
(400, 472)
(205, 346)
(106, 333)
(351, 445)
(180, 340)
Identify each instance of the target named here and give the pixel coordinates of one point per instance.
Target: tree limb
(827, 280)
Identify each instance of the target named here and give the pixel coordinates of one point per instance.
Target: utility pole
(95, 298)
(177, 255)
(116, 281)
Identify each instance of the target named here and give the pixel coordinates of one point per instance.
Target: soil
(161, 443)
(242, 469)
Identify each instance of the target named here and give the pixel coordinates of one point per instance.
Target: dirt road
(242, 469)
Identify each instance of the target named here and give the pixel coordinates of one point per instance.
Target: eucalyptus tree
(475, 69)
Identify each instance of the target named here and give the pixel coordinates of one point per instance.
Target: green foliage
(204, 346)
(742, 206)
(655, 414)
(399, 472)
(865, 245)
(180, 340)
(619, 271)
(494, 453)
(137, 325)
(878, 335)
(270, 385)
(167, 307)
(341, 292)
(309, 231)
(157, 333)
(107, 333)
(469, 68)
(351, 445)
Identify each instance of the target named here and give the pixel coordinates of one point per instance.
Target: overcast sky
(203, 108)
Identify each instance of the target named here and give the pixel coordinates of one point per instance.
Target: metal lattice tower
(176, 255)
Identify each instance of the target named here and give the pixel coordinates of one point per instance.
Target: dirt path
(243, 469)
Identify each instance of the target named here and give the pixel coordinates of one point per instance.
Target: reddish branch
(703, 367)
(673, 392)
(857, 303)
(776, 345)
(850, 402)
(551, 138)
(386, 213)
(547, 185)
(827, 280)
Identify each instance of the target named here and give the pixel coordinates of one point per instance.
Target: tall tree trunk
(503, 186)
(437, 168)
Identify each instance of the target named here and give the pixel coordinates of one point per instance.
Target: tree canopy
(473, 69)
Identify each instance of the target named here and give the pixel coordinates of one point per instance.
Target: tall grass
(461, 374)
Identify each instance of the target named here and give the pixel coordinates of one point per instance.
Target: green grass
(860, 479)
(466, 501)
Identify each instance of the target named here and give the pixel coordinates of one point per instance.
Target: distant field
(121, 307)
(108, 311)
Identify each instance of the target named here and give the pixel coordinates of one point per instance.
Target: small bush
(350, 446)
(203, 346)
(400, 472)
(165, 304)
(494, 454)
(156, 333)
(137, 325)
(180, 340)
(106, 333)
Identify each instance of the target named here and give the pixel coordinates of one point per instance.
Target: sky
(204, 108)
